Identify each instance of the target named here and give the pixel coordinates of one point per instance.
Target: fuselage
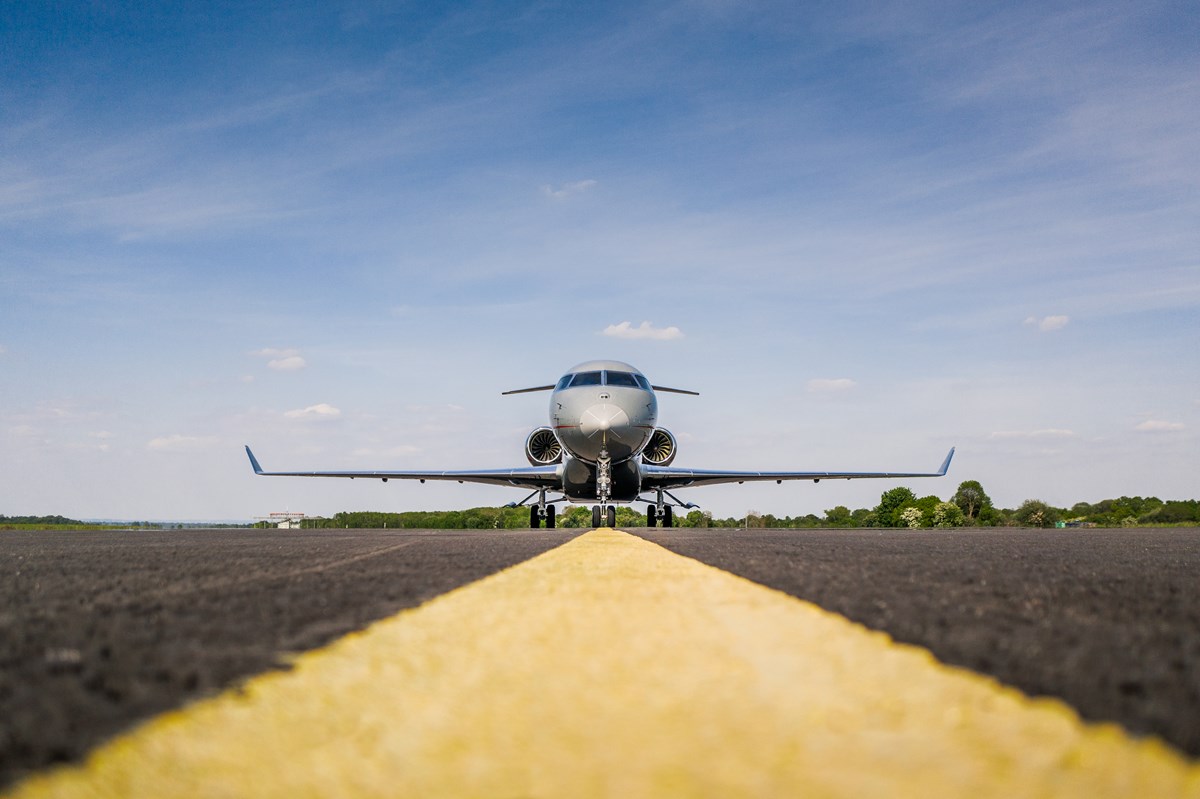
(598, 410)
(603, 407)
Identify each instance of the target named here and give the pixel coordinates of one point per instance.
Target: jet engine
(660, 451)
(542, 447)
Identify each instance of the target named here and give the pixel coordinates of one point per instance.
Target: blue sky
(336, 231)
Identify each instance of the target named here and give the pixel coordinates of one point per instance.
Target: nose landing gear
(604, 516)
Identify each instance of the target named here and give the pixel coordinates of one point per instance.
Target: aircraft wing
(668, 477)
(526, 477)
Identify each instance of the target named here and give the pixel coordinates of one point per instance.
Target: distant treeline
(899, 507)
(62, 522)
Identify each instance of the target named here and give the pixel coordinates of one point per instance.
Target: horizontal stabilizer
(526, 390)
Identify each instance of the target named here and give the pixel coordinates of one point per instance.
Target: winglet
(941, 472)
(253, 461)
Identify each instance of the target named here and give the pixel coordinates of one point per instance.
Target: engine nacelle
(660, 451)
(542, 447)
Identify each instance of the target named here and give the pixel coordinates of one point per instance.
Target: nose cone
(603, 418)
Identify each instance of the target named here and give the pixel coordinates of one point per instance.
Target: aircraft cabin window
(621, 379)
(585, 379)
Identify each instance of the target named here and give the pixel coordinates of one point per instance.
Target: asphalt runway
(1107, 620)
(100, 630)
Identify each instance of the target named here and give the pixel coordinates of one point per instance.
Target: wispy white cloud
(830, 384)
(567, 189)
(289, 364)
(644, 330)
(282, 360)
(1048, 324)
(180, 443)
(319, 411)
(1159, 426)
(1050, 432)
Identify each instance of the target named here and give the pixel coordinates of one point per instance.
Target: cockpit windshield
(620, 379)
(607, 378)
(586, 379)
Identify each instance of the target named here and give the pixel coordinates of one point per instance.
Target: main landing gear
(655, 515)
(660, 511)
(537, 511)
(604, 516)
(536, 515)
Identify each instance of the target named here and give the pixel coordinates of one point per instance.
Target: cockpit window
(620, 379)
(642, 381)
(563, 382)
(585, 379)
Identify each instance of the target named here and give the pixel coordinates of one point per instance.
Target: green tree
(948, 514)
(927, 505)
(973, 501)
(864, 517)
(575, 516)
(838, 517)
(891, 503)
(1035, 513)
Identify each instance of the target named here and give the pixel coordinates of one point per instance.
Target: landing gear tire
(651, 516)
(534, 520)
(549, 517)
(611, 515)
(668, 519)
(595, 516)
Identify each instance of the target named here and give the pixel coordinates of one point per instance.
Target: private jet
(602, 447)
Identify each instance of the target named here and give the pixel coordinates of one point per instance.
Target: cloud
(1159, 426)
(287, 364)
(320, 411)
(568, 189)
(1048, 324)
(281, 360)
(645, 330)
(827, 384)
(1049, 432)
(179, 443)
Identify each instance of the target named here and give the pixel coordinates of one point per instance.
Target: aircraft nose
(602, 418)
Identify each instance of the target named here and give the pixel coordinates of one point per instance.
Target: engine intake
(542, 447)
(660, 450)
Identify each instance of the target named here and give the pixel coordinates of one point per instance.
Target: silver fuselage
(602, 419)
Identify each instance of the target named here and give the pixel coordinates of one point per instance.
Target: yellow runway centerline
(610, 667)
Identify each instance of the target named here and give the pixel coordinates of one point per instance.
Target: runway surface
(1108, 620)
(102, 630)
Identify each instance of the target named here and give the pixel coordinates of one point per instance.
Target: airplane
(603, 447)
